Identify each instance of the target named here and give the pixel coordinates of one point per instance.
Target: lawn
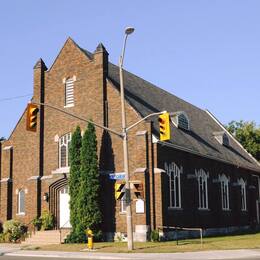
(251, 241)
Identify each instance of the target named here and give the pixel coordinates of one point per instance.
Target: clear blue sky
(206, 52)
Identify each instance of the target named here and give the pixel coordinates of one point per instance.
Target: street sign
(117, 176)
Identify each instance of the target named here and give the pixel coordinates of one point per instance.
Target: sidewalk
(10, 250)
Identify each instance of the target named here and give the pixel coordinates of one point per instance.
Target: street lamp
(129, 222)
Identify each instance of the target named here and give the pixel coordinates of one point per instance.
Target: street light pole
(129, 222)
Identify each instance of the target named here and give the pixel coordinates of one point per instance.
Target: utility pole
(129, 221)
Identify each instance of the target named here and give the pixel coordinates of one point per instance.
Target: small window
(69, 92)
(180, 120)
(225, 140)
(222, 138)
(21, 202)
(64, 143)
(202, 188)
(242, 184)
(174, 173)
(224, 186)
(123, 203)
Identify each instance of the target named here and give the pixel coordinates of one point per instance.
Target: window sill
(61, 170)
(226, 210)
(174, 208)
(203, 209)
(20, 214)
(70, 105)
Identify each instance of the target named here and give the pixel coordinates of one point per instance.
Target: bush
(155, 237)
(46, 221)
(37, 223)
(76, 236)
(13, 231)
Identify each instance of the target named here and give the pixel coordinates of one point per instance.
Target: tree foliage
(89, 210)
(74, 178)
(248, 134)
(84, 186)
(2, 139)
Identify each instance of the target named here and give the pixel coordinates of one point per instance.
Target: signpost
(117, 176)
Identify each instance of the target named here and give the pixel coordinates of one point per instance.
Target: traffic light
(31, 122)
(164, 124)
(119, 190)
(139, 190)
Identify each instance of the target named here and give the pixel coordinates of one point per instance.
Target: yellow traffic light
(31, 122)
(164, 124)
(119, 193)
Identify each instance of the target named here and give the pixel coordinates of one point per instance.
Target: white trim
(5, 180)
(46, 177)
(140, 170)
(69, 105)
(233, 138)
(158, 170)
(224, 187)
(64, 141)
(7, 148)
(174, 172)
(242, 184)
(19, 212)
(33, 178)
(60, 171)
(203, 177)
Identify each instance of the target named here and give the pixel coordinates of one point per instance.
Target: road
(48, 258)
(13, 252)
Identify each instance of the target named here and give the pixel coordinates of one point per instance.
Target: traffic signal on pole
(164, 125)
(139, 190)
(31, 121)
(119, 190)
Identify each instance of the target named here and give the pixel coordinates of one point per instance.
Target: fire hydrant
(90, 239)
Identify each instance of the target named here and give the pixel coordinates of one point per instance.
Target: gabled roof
(147, 98)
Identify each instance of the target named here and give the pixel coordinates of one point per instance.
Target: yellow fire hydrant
(90, 239)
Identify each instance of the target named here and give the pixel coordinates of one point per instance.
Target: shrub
(47, 221)
(37, 223)
(14, 230)
(155, 237)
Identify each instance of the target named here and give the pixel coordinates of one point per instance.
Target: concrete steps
(46, 237)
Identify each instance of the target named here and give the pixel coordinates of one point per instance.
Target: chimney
(38, 81)
(101, 64)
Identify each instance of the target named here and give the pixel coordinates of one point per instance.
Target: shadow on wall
(106, 166)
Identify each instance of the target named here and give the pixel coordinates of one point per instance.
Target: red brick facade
(29, 161)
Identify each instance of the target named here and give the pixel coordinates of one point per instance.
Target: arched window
(225, 139)
(64, 143)
(181, 120)
(21, 202)
(224, 186)
(69, 92)
(174, 173)
(202, 188)
(222, 138)
(242, 184)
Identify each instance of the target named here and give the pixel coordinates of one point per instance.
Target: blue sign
(117, 176)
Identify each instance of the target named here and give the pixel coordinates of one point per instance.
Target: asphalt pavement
(13, 252)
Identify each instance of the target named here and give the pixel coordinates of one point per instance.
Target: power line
(12, 98)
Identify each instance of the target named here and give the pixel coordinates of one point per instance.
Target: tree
(89, 195)
(74, 186)
(2, 139)
(74, 178)
(248, 134)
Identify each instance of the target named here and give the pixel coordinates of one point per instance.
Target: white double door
(64, 208)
